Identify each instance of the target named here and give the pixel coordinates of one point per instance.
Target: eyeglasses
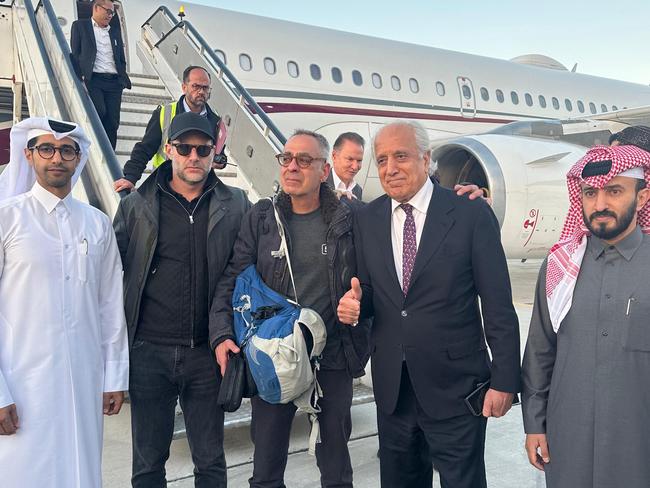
(109, 12)
(195, 87)
(202, 150)
(46, 151)
(303, 160)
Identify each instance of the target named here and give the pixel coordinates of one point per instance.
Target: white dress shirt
(63, 340)
(204, 112)
(105, 59)
(340, 185)
(420, 203)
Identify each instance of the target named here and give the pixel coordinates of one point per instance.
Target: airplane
(513, 127)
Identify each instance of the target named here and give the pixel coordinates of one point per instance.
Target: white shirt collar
(338, 183)
(49, 200)
(204, 112)
(420, 200)
(95, 24)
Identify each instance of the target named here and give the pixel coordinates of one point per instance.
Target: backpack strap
(284, 249)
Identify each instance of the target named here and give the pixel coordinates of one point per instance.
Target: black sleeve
(362, 270)
(244, 253)
(75, 48)
(144, 150)
(121, 232)
(492, 282)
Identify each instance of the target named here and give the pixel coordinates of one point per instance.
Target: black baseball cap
(190, 122)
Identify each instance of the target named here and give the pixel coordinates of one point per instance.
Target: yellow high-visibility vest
(167, 113)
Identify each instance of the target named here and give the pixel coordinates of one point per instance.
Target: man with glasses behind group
(196, 92)
(97, 54)
(175, 235)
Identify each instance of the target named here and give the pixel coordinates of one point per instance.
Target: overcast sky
(609, 39)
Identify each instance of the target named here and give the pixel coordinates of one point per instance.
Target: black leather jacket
(136, 229)
(259, 236)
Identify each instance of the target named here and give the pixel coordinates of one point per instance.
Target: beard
(621, 223)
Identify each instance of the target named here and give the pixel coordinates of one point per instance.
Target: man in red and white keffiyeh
(595, 170)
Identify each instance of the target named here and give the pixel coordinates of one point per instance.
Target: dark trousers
(271, 430)
(106, 93)
(410, 441)
(159, 376)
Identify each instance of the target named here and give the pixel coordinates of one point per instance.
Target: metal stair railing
(168, 47)
(54, 90)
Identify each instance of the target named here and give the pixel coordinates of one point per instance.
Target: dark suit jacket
(437, 328)
(84, 50)
(357, 191)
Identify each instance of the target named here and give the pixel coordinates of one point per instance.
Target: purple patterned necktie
(409, 247)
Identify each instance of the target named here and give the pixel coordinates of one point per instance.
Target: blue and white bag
(281, 341)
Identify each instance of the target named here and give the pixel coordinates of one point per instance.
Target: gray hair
(323, 145)
(422, 140)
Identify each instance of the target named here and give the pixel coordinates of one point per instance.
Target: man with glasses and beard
(196, 92)
(175, 235)
(587, 360)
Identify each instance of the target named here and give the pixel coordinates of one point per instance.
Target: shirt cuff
(116, 376)
(5, 396)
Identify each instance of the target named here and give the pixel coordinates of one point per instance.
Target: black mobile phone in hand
(474, 400)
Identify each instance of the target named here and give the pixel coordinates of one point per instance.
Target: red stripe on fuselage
(270, 108)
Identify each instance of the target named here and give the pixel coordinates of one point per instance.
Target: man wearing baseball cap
(586, 393)
(175, 234)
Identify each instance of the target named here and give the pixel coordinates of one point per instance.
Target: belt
(106, 76)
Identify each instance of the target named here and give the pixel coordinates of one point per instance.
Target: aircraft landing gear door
(467, 100)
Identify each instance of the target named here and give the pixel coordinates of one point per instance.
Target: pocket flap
(466, 348)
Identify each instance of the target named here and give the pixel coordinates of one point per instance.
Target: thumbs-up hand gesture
(350, 304)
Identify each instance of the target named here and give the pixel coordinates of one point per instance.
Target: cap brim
(184, 131)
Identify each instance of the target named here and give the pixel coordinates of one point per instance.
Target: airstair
(40, 79)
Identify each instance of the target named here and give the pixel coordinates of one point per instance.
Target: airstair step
(143, 76)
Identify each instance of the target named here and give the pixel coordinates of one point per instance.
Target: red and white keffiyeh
(565, 257)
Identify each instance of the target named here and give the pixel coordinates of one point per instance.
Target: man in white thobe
(63, 343)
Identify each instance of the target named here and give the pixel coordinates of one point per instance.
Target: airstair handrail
(79, 107)
(252, 105)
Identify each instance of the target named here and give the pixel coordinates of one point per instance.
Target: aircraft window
(414, 85)
(221, 55)
(376, 80)
(529, 99)
(269, 66)
(314, 69)
(500, 96)
(603, 107)
(556, 103)
(592, 107)
(395, 83)
(514, 97)
(245, 62)
(292, 68)
(440, 88)
(568, 104)
(485, 94)
(581, 106)
(542, 101)
(357, 79)
(614, 107)
(467, 93)
(337, 77)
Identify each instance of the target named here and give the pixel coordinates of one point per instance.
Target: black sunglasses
(202, 150)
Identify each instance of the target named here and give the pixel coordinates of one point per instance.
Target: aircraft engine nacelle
(526, 178)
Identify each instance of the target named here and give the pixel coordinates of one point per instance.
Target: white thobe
(63, 340)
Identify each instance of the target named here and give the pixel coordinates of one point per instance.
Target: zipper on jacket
(192, 256)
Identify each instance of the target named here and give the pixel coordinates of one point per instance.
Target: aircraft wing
(630, 116)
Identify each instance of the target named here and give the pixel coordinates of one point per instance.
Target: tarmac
(506, 462)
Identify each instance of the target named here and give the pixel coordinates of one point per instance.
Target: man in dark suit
(425, 256)
(97, 54)
(347, 157)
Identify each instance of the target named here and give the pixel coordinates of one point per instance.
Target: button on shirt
(105, 59)
(420, 203)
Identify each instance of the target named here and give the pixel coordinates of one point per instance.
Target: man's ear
(326, 171)
(642, 198)
(29, 155)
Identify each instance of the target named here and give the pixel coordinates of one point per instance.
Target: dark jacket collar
(329, 204)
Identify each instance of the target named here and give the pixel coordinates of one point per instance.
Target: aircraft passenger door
(467, 99)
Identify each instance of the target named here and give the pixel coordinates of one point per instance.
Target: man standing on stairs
(196, 91)
(175, 235)
(97, 55)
